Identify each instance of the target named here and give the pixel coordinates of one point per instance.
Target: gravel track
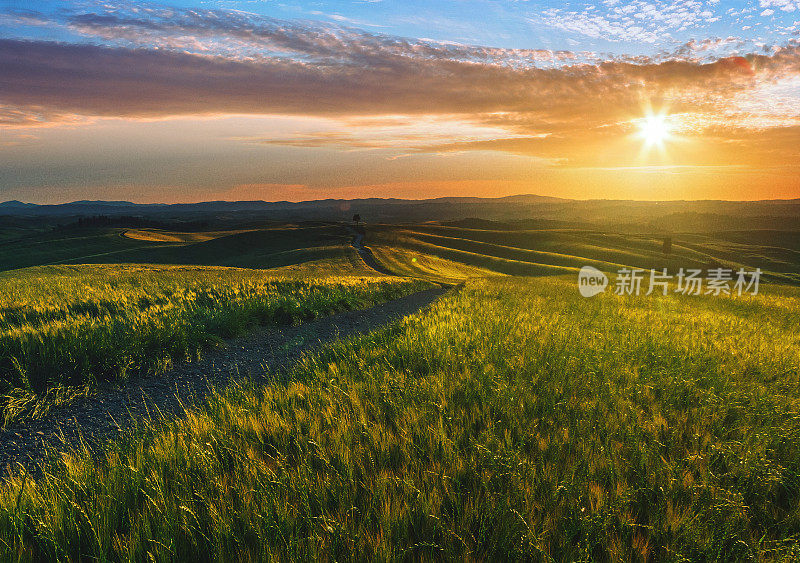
(366, 253)
(113, 410)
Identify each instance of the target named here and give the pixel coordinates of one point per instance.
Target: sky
(202, 100)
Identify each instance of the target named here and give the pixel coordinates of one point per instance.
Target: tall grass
(514, 420)
(73, 325)
(421, 265)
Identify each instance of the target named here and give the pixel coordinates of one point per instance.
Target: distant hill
(519, 211)
(372, 209)
(259, 205)
(14, 204)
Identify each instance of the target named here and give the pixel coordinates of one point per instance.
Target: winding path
(366, 253)
(112, 411)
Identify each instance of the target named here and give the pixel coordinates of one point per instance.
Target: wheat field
(64, 329)
(514, 420)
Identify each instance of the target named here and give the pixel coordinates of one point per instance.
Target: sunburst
(655, 129)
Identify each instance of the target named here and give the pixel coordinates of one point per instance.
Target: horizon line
(554, 199)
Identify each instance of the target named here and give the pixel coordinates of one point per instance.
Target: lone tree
(356, 218)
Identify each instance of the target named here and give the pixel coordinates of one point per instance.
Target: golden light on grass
(102, 315)
(557, 425)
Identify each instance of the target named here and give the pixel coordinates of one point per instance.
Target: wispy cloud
(637, 20)
(559, 105)
(243, 36)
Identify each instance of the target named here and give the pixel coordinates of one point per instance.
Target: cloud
(561, 106)
(32, 116)
(242, 35)
(15, 16)
(618, 148)
(94, 80)
(784, 5)
(638, 20)
(408, 134)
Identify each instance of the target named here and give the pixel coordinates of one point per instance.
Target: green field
(69, 326)
(263, 247)
(405, 262)
(462, 251)
(64, 328)
(559, 251)
(515, 420)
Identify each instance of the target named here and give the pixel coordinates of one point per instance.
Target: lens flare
(655, 129)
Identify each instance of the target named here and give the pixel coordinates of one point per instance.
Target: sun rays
(655, 129)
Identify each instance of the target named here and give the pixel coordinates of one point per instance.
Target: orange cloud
(734, 112)
(92, 80)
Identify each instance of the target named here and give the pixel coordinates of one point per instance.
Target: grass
(425, 266)
(160, 235)
(552, 251)
(267, 247)
(511, 252)
(514, 420)
(467, 260)
(78, 325)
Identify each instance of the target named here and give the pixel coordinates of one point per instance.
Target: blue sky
(250, 99)
(613, 26)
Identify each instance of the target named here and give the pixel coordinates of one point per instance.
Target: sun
(655, 129)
